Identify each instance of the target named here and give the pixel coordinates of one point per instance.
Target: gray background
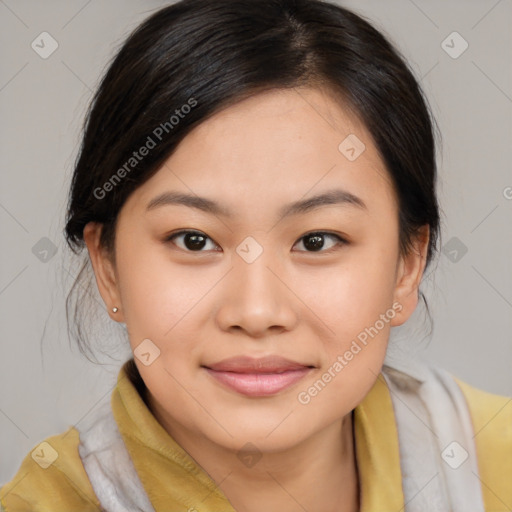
(42, 102)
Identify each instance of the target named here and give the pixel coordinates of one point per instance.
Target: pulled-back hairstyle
(191, 59)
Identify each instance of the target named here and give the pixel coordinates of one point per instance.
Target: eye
(314, 241)
(193, 241)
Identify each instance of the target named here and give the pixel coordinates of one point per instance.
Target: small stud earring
(115, 310)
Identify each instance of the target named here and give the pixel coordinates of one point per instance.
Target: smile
(259, 384)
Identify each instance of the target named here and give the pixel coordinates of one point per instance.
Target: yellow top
(174, 481)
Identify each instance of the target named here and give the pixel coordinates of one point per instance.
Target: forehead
(274, 147)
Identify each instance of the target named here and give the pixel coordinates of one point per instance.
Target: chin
(266, 436)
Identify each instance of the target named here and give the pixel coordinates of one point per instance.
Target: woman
(256, 193)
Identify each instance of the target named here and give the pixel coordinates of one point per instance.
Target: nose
(256, 298)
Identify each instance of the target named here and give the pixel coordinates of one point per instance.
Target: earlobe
(103, 270)
(409, 274)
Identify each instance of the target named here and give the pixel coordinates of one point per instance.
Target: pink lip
(258, 377)
(258, 384)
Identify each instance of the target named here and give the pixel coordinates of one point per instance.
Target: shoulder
(492, 423)
(51, 477)
(491, 414)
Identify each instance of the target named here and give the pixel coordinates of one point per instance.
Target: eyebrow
(328, 198)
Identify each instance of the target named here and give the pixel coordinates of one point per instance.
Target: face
(319, 284)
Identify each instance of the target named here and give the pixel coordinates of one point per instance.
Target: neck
(318, 474)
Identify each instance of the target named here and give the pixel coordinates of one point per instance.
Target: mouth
(258, 377)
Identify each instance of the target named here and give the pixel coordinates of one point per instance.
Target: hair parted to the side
(218, 52)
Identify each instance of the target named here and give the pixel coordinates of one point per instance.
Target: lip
(246, 364)
(258, 376)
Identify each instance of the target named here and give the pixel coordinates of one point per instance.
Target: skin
(201, 307)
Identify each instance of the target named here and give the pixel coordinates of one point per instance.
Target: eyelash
(341, 240)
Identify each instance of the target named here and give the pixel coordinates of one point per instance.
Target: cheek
(356, 303)
(156, 293)
(355, 300)
(351, 295)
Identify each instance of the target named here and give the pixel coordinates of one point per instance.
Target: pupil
(317, 242)
(194, 241)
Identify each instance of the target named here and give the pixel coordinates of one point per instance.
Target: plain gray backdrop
(47, 386)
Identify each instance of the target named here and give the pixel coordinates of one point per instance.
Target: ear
(104, 270)
(408, 276)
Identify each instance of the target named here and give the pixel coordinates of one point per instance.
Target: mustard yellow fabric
(492, 423)
(174, 482)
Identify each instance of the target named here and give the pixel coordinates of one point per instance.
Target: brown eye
(193, 241)
(316, 241)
